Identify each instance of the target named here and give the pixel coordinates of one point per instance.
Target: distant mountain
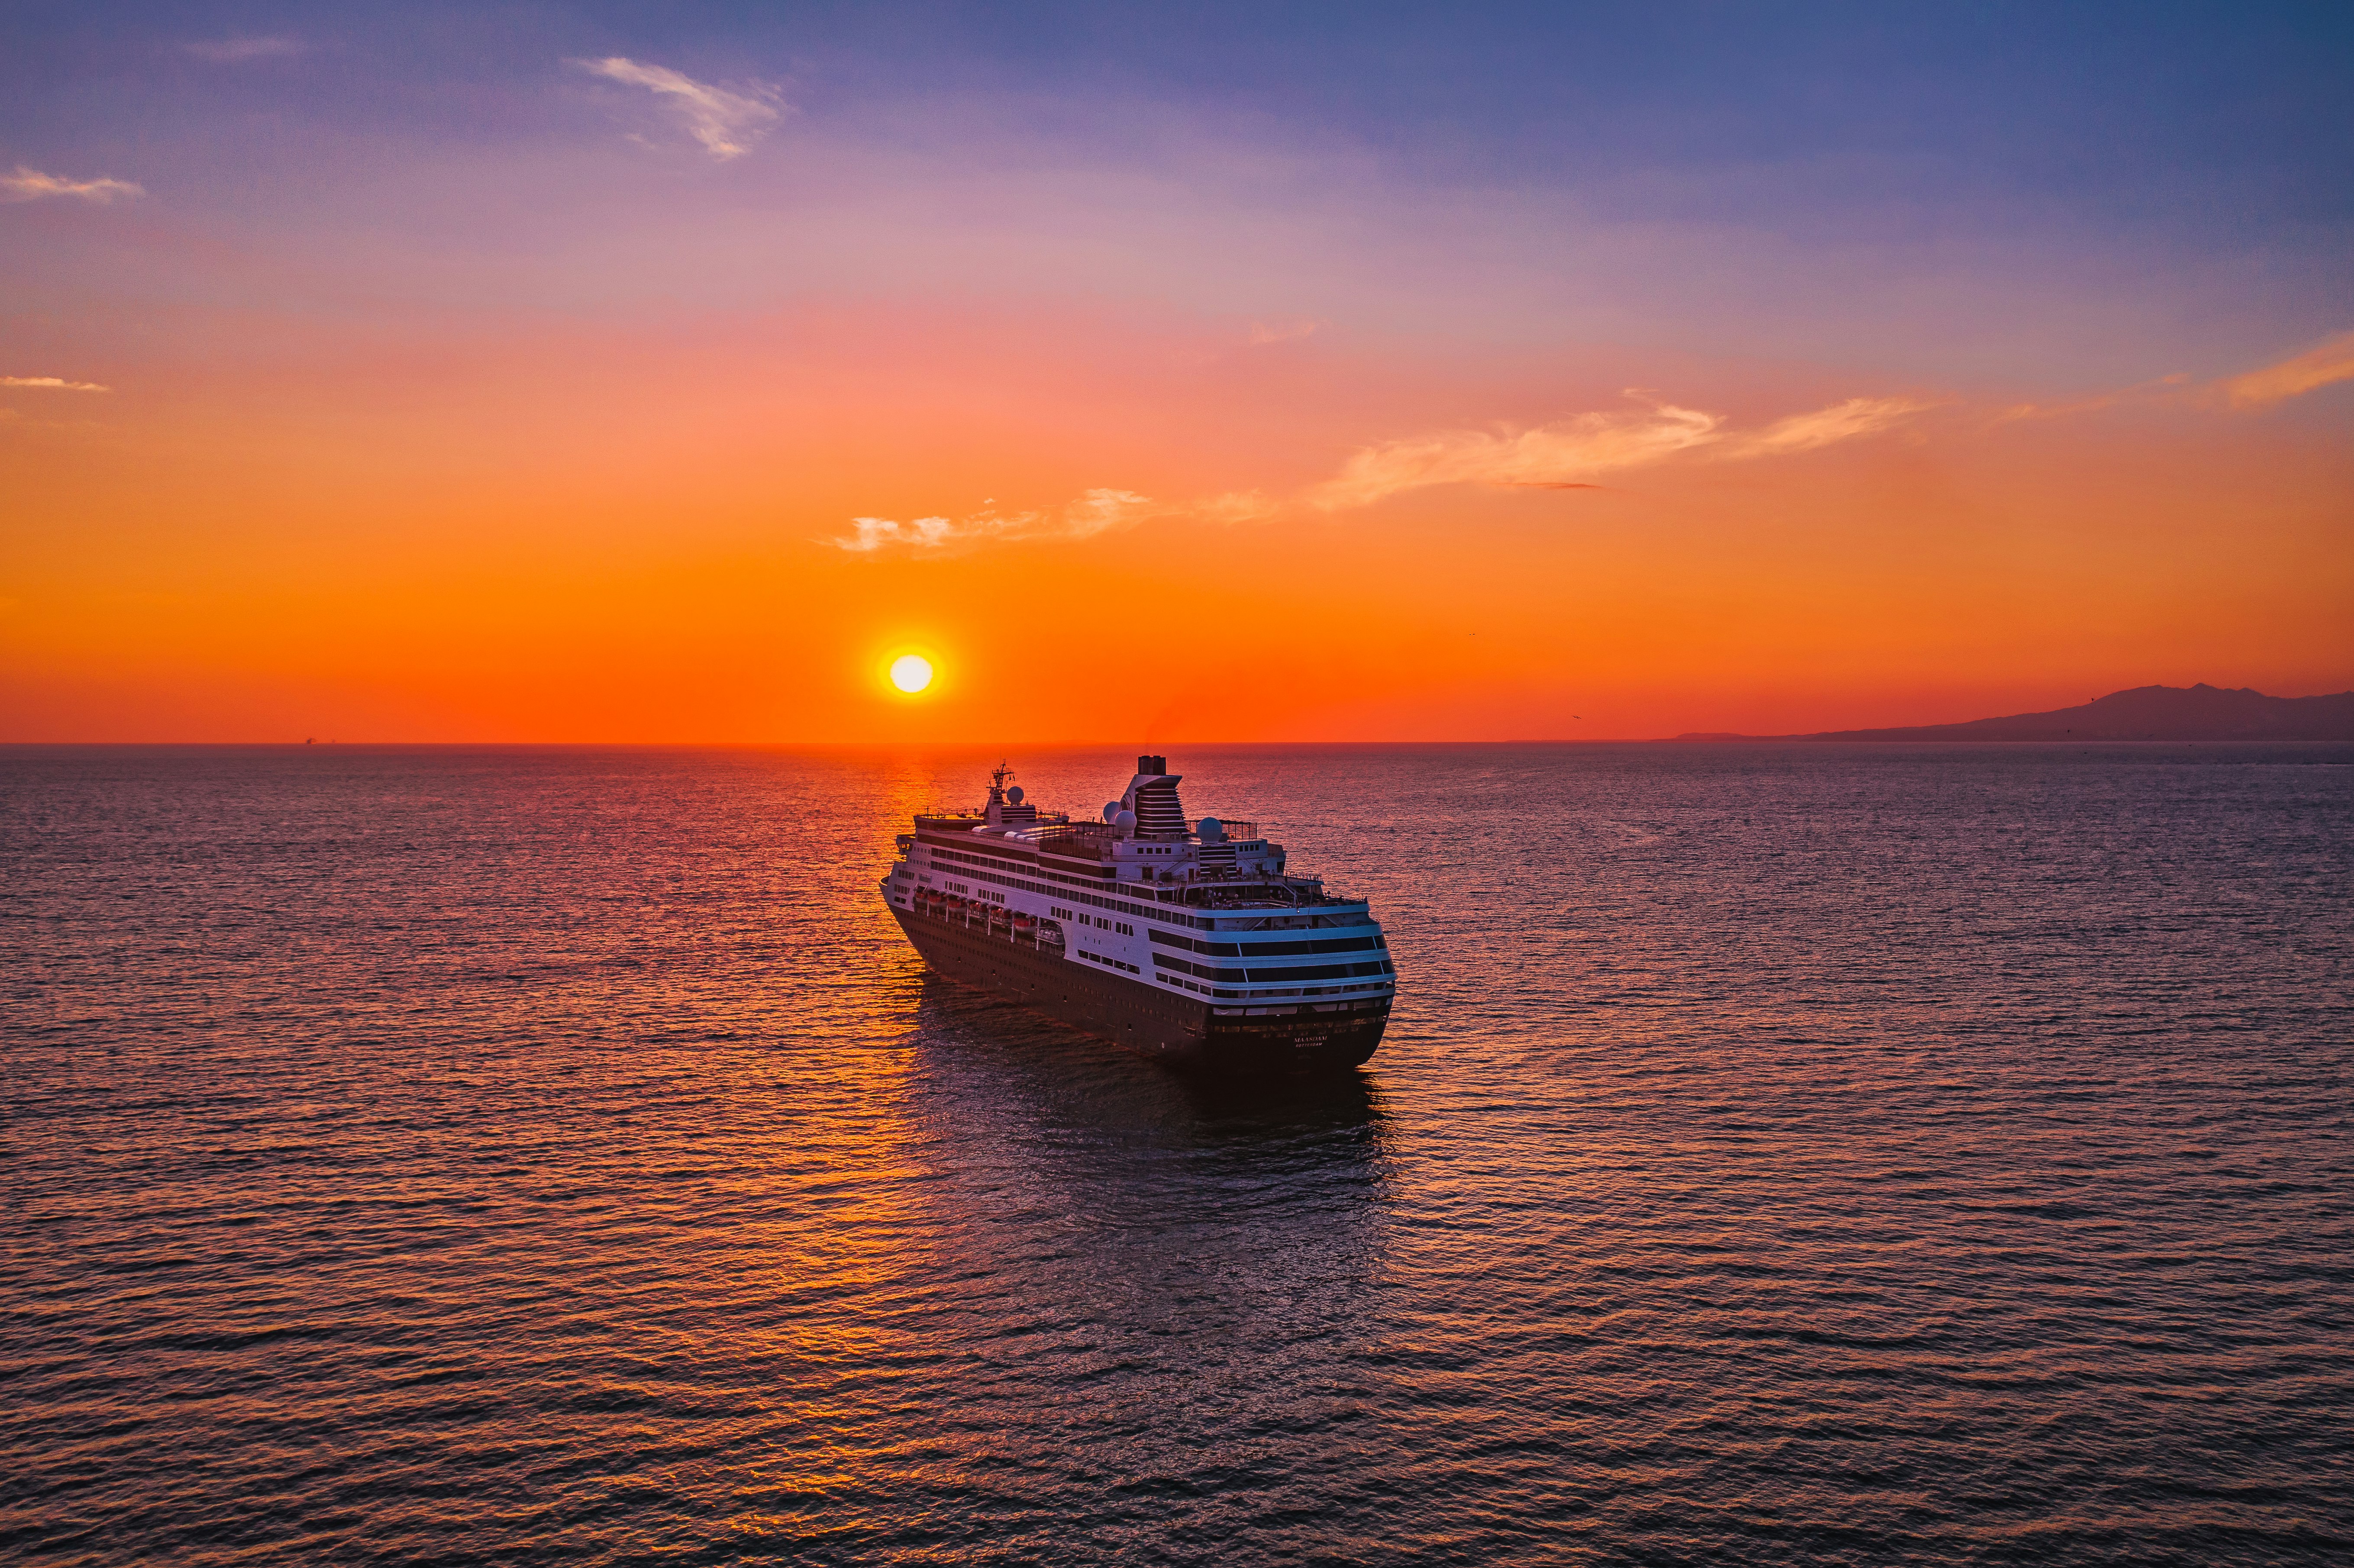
(2146, 712)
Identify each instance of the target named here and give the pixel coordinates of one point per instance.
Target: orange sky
(573, 480)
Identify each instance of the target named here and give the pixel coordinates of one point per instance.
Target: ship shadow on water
(1123, 1134)
(1190, 1233)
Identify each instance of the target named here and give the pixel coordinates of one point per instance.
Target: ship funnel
(1152, 796)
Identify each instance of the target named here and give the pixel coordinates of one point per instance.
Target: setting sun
(911, 673)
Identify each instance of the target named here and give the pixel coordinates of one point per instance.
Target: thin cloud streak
(236, 51)
(1856, 417)
(2319, 366)
(1096, 511)
(1264, 332)
(725, 122)
(1571, 452)
(32, 185)
(2140, 391)
(1567, 451)
(54, 383)
(1560, 456)
(2324, 365)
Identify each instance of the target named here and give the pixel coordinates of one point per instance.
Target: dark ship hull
(1177, 1030)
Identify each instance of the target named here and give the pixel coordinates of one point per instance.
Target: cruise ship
(1188, 941)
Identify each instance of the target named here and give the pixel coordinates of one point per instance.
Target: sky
(661, 374)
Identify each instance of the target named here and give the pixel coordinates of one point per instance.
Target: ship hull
(1178, 1030)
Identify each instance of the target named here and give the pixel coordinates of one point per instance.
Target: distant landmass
(2146, 712)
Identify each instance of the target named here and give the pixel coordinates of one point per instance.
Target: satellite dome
(1125, 821)
(1212, 831)
(1111, 811)
(1015, 795)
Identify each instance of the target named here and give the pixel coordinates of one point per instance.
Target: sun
(911, 673)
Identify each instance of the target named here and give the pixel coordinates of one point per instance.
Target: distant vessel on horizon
(1189, 942)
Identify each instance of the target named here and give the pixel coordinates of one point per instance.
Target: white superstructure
(1204, 910)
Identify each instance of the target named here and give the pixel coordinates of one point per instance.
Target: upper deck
(1144, 848)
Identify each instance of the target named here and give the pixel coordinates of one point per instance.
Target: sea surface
(1874, 1155)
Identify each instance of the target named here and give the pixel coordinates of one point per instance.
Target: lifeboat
(1025, 928)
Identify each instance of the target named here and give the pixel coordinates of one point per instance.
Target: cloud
(2319, 366)
(1096, 511)
(1840, 422)
(1093, 512)
(235, 51)
(2139, 392)
(31, 184)
(1568, 454)
(1100, 510)
(54, 383)
(1264, 332)
(2324, 365)
(1236, 506)
(877, 533)
(1548, 457)
(725, 122)
(1565, 453)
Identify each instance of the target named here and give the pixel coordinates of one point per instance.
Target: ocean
(1832, 1154)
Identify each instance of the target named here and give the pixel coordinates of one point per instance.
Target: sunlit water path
(1840, 1155)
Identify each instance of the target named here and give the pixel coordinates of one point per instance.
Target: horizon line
(1811, 737)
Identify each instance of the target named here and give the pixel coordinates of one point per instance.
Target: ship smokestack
(1153, 795)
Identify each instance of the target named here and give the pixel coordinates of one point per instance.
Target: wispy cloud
(54, 383)
(1564, 455)
(2140, 391)
(1264, 332)
(1570, 453)
(1235, 506)
(725, 122)
(2317, 368)
(1093, 512)
(235, 51)
(1840, 422)
(31, 184)
(2324, 365)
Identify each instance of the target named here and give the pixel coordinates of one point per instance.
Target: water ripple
(1871, 1155)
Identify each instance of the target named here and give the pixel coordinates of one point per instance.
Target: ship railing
(1257, 894)
(1239, 831)
(1097, 837)
(996, 919)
